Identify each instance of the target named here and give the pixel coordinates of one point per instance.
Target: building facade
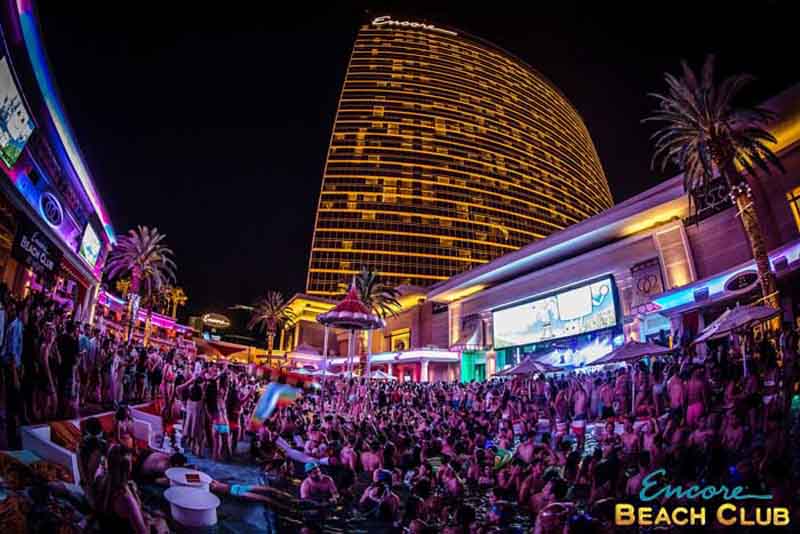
(650, 268)
(55, 233)
(446, 152)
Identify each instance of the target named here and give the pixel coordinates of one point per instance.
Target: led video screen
(90, 245)
(574, 311)
(15, 123)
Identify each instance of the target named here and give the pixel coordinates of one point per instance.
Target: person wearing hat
(378, 500)
(317, 487)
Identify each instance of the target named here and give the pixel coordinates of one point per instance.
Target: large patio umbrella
(743, 316)
(353, 315)
(529, 366)
(736, 319)
(325, 373)
(381, 375)
(712, 328)
(630, 352)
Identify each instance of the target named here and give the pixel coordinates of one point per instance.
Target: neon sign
(387, 21)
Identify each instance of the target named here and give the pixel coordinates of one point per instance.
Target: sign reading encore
(387, 21)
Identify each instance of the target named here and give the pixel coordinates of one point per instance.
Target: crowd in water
(534, 453)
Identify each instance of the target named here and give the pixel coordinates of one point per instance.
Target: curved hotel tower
(446, 153)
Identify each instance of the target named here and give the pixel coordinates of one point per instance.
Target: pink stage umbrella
(351, 314)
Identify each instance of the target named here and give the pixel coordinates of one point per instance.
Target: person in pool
(154, 467)
(317, 487)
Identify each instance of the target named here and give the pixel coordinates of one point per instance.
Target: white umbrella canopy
(632, 351)
(381, 375)
(322, 372)
(737, 318)
(712, 329)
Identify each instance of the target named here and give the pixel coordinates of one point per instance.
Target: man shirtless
(580, 401)
(372, 459)
(696, 396)
(634, 484)
(527, 449)
(676, 394)
(317, 487)
(733, 434)
(631, 440)
(607, 400)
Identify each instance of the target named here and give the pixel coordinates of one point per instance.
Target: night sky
(212, 123)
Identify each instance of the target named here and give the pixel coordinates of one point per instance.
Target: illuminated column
(390, 368)
(491, 363)
(423, 370)
(90, 303)
(324, 365)
(700, 348)
(280, 340)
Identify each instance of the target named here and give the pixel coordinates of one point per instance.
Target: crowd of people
(532, 453)
(551, 454)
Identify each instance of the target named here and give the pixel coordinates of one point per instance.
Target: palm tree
(142, 254)
(380, 298)
(177, 297)
(706, 136)
(271, 313)
(123, 285)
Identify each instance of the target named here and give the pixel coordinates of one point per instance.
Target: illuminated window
(794, 204)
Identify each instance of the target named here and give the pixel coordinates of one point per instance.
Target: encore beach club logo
(712, 505)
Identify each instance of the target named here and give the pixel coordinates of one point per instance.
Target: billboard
(90, 246)
(16, 125)
(578, 310)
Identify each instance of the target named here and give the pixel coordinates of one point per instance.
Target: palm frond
(704, 135)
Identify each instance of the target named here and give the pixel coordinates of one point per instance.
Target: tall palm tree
(270, 314)
(177, 297)
(705, 136)
(379, 297)
(142, 254)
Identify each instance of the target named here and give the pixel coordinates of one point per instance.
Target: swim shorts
(237, 490)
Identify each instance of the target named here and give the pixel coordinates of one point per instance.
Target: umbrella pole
(744, 356)
(324, 366)
(633, 392)
(350, 350)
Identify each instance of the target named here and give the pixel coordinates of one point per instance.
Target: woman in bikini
(120, 506)
(168, 385)
(123, 427)
(48, 354)
(215, 411)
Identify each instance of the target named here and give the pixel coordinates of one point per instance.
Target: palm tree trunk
(148, 325)
(174, 309)
(752, 227)
(270, 340)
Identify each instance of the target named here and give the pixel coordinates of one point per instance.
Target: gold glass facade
(446, 153)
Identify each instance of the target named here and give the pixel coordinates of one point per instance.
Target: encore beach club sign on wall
(387, 21)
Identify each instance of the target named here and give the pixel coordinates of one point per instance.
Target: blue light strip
(716, 285)
(33, 43)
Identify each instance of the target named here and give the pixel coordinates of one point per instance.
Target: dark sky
(212, 123)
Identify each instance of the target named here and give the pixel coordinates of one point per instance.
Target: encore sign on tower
(387, 21)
